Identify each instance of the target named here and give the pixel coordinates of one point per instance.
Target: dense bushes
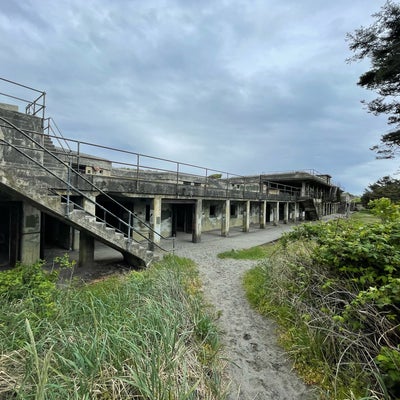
(144, 335)
(335, 288)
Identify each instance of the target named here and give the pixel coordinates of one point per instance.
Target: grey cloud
(235, 85)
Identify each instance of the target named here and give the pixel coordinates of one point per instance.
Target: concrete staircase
(310, 209)
(30, 169)
(35, 188)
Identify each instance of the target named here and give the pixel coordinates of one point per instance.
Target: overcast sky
(240, 86)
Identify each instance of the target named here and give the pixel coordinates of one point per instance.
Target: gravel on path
(259, 368)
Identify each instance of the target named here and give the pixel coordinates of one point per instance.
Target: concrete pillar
(86, 242)
(75, 239)
(197, 221)
(226, 216)
(303, 189)
(86, 250)
(246, 217)
(263, 212)
(30, 234)
(156, 219)
(276, 213)
(286, 213)
(296, 212)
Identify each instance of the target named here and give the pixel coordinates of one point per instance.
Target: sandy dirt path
(259, 369)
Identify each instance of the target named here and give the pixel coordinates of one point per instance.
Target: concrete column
(30, 234)
(86, 242)
(156, 219)
(263, 212)
(86, 250)
(226, 216)
(75, 239)
(296, 212)
(246, 217)
(276, 213)
(303, 189)
(197, 221)
(286, 213)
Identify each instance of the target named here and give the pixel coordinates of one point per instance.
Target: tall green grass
(252, 253)
(144, 335)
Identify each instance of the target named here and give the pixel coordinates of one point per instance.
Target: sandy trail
(259, 368)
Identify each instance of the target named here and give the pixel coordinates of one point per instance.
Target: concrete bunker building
(63, 192)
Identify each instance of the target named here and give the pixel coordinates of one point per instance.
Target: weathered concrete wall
(33, 127)
(30, 234)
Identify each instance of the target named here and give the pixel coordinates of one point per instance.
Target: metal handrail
(98, 219)
(32, 107)
(60, 139)
(143, 168)
(71, 187)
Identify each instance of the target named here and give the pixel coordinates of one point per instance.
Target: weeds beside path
(259, 367)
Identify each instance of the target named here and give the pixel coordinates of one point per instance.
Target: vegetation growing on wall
(142, 335)
(335, 290)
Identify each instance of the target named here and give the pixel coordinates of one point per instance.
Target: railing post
(44, 106)
(206, 184)
(177, 177)
(78, 157)
(130, 221)
(68, 188)
(137, 170)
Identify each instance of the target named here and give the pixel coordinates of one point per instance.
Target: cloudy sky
(236, 85)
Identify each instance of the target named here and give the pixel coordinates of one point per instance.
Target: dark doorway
(9, 233)
(268, 213)
(182, 218)
(281, 211)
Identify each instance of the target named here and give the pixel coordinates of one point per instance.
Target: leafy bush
(31, 284)
(335, 288)
(385, 209)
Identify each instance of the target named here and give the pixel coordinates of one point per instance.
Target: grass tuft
(146, 335)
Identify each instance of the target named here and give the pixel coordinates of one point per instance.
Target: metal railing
(72, 189)
(35, 106)
(185, 178)
(51, 129)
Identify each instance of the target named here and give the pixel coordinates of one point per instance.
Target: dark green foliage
(351, 285)
(30, 284)
(380, 43)
(384, 187)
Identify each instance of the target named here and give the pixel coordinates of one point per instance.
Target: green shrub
(385, 209)
(32, 285)
(335, 290)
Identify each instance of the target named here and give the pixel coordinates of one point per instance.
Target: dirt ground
(258, 367)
